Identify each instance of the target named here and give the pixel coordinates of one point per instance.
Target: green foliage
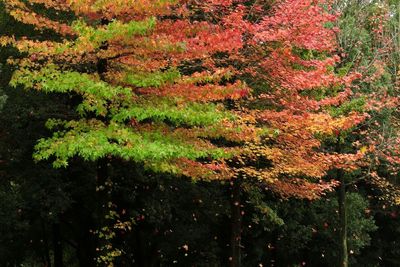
(191, 114)
(114, 29)
(309, 232)
(360, 225)
(356, 104)
(92, 140)
(49, 79)
(263, 214)
(154, 79)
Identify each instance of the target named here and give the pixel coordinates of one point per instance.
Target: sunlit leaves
(125, 61)
(186, 114)
(115, 29)
(93, 140)
(154, 79)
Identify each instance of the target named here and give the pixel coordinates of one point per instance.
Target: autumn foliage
(127, 61)
(294, 51)
(213, 89)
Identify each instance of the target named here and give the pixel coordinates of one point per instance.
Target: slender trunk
(86, 245)
(344, 257)
(85, 240)
(102, 168)
(103, 197)
(57, 246)
(274, 252)
(236, 226)
(46, 258)
(143, 253)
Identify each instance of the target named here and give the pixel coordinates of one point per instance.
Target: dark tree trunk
(102, 164)
(344, 257)
(85, 238)
(236, 226)
(46, 255)
(343, 254)
(57, 246)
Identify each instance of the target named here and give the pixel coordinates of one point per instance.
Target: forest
(231, 133)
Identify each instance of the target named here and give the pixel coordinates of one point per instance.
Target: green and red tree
(126, 62)
(167, 84)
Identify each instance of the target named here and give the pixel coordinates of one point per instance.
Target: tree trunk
(85, 240)
(57, 246)
(343, 254)
(46, 255)
(103, 196)
(344, 257)
(86, 245)
(236, 227)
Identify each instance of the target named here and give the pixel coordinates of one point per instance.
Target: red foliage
(289, 49)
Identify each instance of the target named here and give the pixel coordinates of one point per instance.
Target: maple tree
(153, 94)
(145, 91)
(294, 107)
(297, 63)
(124, 59)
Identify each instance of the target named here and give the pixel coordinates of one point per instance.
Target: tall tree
(144, 91)
(138, 106)
(369, 47)
(171, 99)
(290, 59)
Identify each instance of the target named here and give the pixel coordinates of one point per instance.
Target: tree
(174, 101)
(127, 69)
(369, 48)
(144, 92)
(291, 63)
